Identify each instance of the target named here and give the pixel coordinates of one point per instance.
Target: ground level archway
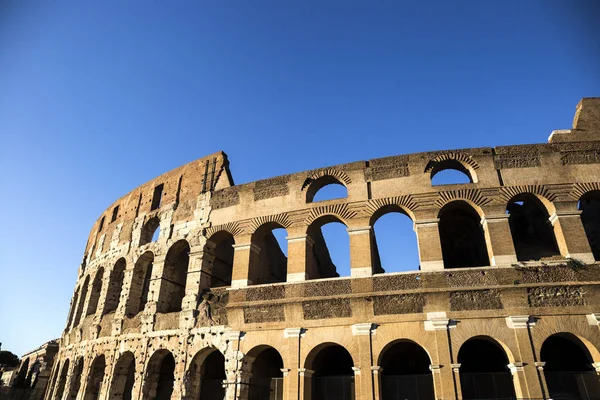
(406, 372)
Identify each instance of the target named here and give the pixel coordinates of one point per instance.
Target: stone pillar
(570, 235)
(363, 382)
(305, 376)
(376, 373)
(540, 368)
(241, 263)
(499, 238)
(158, 291)
(456, 377)
(193, 279)
(436, 376)
(238, 369)
(527, 379)
(299, 248)
(291, 380)
(430, 247)
(447, 384)
(360, 251)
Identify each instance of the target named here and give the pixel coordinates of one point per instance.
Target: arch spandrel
(576, 325)
(387, 335)
(495, 329)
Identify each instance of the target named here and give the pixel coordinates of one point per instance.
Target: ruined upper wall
(180, 191)
(571, 156)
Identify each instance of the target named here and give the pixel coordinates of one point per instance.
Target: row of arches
(405, 373)
(463, 238)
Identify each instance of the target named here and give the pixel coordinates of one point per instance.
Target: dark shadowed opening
(269, 264)
(267, 378)
(94, 383)
(166, 378)
(62, 380)
(140, 284)
(150, 231)
(123, 377)
(405, 372)
(95, 294)
(483, 370)
(333, 377)
(531, 230)
(462, 237)
(115, 286)
(589, 204)
(568, 370)
(213, 375)
(222, 268)
(175, 274)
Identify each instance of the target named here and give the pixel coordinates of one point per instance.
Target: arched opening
(333, 377)
(266, 382)
(394, 243)
(484, 372)
(62, 380)
(589, 204)
(175, 275)
(53, 380)
(462, 236)
(150, 231)
(140, 284)
(84, 290)
(451, 172)
(207, 373)
(269, 265)
(115, 284)
(330, 248)
(531, 230)
(73, 308)
(405, 372)
(123, 378)
(94, 384)
(95, 293)
(325, 188)
(568, 370)
(160, 376)
(222, 267)
(76, 379)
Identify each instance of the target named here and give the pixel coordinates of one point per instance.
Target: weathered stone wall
(184, 303)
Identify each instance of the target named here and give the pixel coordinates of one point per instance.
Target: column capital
(455, 367)
(359, 230)
(293, 333)
(233, 335)
(300, 238)
(515, 367)
(520, 321)
(435, 368)
(438, 321)
(285, 371)
(364, 329)
(356, 370)
(376, 369)
(426, 222)
(593, 319)
(246, 246)
(540, 365)
(596, 366)
(306, 372)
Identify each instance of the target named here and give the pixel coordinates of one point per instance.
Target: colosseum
(184, 292)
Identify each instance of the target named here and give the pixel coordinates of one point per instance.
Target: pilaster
(364, 384)
(291, 380)
(430, 248)
(570, 235)
(500, 240)
(360, 251)
(299, 248)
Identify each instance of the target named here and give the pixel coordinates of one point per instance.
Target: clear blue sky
(98, 97)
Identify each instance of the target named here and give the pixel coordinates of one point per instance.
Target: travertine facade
(211, 308)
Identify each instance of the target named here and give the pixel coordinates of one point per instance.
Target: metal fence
(487, 386)
(407, 387)
(333, 388)
(266, 389)
(573, 385)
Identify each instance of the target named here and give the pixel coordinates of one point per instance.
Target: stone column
(363, 382)
(540, 368)
(194, 280)
(436, 376)
(570, 235)
(241, 262)
(447, 384)
(305, 376)
(430, 247)
(299, 248)
(360, 251)
(376, 373)
(158, 292)
(527, 379)
(238, 368)
(291, 380)
(499, 238)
